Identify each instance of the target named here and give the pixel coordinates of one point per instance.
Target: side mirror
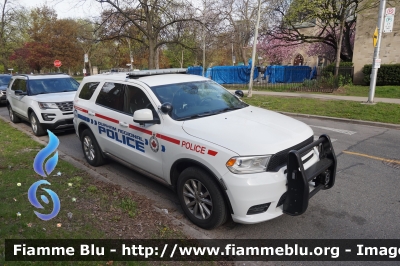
(166, 108)
(20, 93)
(144, 116)
(239, 93)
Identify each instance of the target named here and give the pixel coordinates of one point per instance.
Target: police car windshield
(197, 99)
(4, 80)
(44, 86)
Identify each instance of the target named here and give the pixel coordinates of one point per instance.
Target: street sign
(375, 37)
(390, 11)
(84, 71)
(377, 63)
(57, 63)
(86, 58)
(388, 23)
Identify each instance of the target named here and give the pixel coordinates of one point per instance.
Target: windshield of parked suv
(197, 99)
(4, 80)
(43, 86)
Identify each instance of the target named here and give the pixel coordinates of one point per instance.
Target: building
(364, 50)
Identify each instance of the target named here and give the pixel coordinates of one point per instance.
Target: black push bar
(321, 173)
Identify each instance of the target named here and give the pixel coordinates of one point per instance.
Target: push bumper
(322, 173)
(278, 191)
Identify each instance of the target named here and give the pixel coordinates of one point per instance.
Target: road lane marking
(347, 132)
(372, 157)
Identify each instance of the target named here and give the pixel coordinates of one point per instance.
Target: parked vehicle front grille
(279, 159)
(65, 106)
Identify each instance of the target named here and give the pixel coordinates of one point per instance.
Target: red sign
(57, 63)
(390, 11)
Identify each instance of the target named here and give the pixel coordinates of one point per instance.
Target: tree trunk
(157, 59)
(339, 45)
(90, 68)
(151, 53)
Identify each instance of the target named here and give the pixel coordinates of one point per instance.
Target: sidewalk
(323, 96)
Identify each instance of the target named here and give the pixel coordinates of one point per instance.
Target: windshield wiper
(195, 116)
(227, 110)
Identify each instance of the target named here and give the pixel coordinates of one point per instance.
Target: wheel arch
(30, 110)
(182, 164)
(83, 126)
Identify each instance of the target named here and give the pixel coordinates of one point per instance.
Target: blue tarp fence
(197, 70)
(289, 74)
(231, 74)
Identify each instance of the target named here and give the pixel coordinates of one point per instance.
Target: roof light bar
(152, 72)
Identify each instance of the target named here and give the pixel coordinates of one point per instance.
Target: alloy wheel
(88, 148)
(197, 199)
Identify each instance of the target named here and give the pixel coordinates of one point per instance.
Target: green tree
(157, 21)
(13, 23)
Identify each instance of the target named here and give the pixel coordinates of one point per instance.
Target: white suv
(43, 100)
(221, 155)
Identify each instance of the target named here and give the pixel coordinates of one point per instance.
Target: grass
(380, 91)
(89, 209)
(381, 112)
(348, 90)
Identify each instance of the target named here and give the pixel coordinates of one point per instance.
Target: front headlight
(48, 105)
(248, 164)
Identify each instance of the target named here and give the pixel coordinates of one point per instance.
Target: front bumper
(3, 98)
(59, 125)
(279, 189)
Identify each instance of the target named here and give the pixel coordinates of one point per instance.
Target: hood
(250, 131)
(55, 97)
(3, 87)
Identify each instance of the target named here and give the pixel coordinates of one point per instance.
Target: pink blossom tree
(276, 51)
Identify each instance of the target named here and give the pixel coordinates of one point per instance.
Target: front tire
(91, 149)
(201, 199)
(13, 117)
(36, 126)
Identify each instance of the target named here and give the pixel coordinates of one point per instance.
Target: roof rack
(152, 72)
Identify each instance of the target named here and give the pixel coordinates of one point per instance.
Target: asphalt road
(364, 203)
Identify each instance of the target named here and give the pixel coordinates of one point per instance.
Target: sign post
(376, 61)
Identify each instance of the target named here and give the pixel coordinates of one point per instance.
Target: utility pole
(253, 56)
(376, 61)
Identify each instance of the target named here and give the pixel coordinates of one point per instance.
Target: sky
(67, 8)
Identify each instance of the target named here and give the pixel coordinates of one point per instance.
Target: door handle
(90, 113)
(123, 124)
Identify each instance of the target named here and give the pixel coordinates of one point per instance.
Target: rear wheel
(13, 117)
(201, 198)
(91, 149)
(35, 125)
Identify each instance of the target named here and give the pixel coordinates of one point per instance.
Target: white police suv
(45, 100)
(221, 155)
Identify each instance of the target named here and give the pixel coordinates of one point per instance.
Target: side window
(136, 99)
(19, 84)
(88, 90)
(112, 96)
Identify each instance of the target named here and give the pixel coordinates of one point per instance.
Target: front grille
(65, 106)
(279, 159)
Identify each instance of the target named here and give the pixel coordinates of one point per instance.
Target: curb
(186, 229)
(345, 120)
